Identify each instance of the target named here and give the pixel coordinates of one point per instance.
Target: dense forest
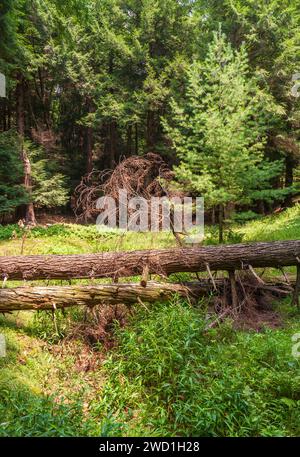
(211, 86)
(106, 332)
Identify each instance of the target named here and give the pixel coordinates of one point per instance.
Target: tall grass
(166, 375)
(282, 226)
(169, 377)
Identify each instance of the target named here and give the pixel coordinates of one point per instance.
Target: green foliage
(7, 231)
(53, 327)
(245, 216)
(12, 193)
(166, 376)
(27, 415)
(180, 380)
(282, 226)
(98, 75)
(220, 132)
(30, 405)
(50, 192)
(48, 186)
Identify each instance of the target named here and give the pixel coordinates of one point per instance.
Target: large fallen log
(164, 261)
(54, 297)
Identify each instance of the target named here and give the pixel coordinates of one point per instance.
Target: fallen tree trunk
(164, 261)
(54, 297)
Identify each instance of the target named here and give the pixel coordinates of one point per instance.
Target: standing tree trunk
(136, 140)
(221, 223)
(29, 209)
(213, 215)
(89, 142)
(290, 164)
(89, 149)
(229, 210)
(129, 141)
(9, 112)
(150, 131)
(289, 170)
(261, 207)
(112, 143)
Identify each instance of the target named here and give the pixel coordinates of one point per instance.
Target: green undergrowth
(281, 226)
(37, 397)
(165, 375)
(76, 239)
(169, 377)
(63, 239)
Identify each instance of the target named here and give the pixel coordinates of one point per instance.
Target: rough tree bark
(129, 141)
(54, 297)
(221, 223)
(297, 288)
(89, 140)
(290, 164)
(29, 216)
(136, 150)
(164, 261)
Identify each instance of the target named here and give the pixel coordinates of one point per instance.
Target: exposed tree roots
(99, 324)
(249, 304)
(139, 176)
(249, 301)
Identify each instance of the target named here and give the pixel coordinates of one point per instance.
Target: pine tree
(219, 133)
(12, 193)
(271, 31)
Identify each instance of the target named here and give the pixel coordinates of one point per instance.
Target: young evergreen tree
(219, 133)
(272, 33)
(12, 193)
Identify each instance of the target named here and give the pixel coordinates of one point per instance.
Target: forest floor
(158, 372)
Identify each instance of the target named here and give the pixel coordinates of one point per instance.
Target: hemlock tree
(14, 60)
(219, 132)
(271, 31)
(49, 187)
(12, 193)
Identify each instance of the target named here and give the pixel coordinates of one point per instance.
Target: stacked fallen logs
(125, 264)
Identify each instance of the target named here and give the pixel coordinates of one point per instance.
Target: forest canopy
(209, 86)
